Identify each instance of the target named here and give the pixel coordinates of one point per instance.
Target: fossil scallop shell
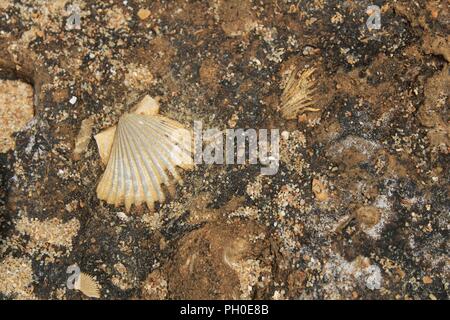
(144, 149)
(298, 95)
(87, 285)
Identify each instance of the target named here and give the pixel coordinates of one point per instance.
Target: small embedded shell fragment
(83, 138)
(104, 141)
(87, 285)
(298, 94)
(147, 106)
(145, 147)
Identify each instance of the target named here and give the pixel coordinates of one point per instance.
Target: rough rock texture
(16, 109)
(359, 208)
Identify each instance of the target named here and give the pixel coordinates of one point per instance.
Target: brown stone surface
(357, 210)
(16, 109)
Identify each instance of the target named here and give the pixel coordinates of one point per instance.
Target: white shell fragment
(104, 141)
(146, 147)
(83, 138)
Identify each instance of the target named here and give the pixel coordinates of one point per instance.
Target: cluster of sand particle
(16, 277)
(290, 145)
(4, 4)
(155, 287)
(46, 237)
(357, 273)
(124, 279)
(16, 109)
(138, 77)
